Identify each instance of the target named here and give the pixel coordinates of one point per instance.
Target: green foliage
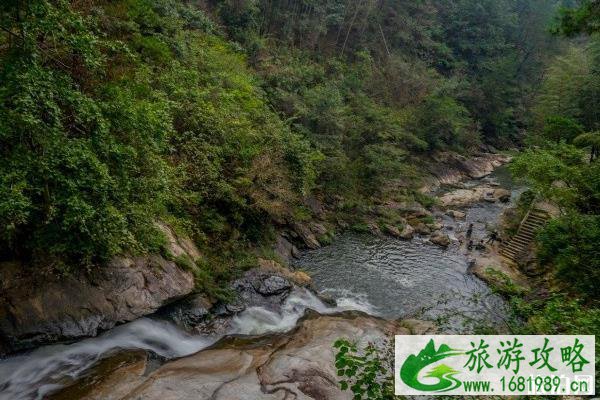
(591, 140)
(562, 128)
(114, 117)
(559, 314)
(582, 19)
(558, 173)
(570, 243)
(367, 374)
(90, 173)
(443, 123)
(502, 283)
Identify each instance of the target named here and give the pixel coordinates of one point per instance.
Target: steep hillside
(224, 118)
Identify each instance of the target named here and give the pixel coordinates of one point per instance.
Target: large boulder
(393, 231)
(306, 235)
(459, 215)
(502, 195)
(284, 249)
(36, 310)
(440, 238)
(273, 285)
(465, 197)
(448, 168)
(408, 232)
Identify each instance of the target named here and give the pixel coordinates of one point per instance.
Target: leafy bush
(562, 128)
(570, 243)
(368, 373)
(119, 115)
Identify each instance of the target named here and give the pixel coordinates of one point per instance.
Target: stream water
(417, 279)
(379, 276)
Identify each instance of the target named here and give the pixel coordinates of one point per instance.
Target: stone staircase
(517, 246)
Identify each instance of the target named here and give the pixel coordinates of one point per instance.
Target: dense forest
(226, 119)
(560, 164)
(219, 116)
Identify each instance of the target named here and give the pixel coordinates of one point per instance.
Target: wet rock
(436, 226)
(441, 239)
(465, 197)
(189, 312)
(421, 228)
(393, 231)
(450, 168)
(502, 195)
(374, 229)
(236, 307)
(258, 288)
(459, 215)
(306, 236)
(285, 249)
(114, 377)
(297, 365)
(407, 233)
(318, 228)
(414, 209)
(273, 285)
(300, 278)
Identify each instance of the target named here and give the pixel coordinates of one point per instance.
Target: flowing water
(380, 276)
(49, 368)
(404, 279)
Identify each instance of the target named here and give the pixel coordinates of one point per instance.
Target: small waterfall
(47, 369)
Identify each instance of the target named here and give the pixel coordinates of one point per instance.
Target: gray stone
(407, 233)
(441, 239)
(274, 285)
(393, 231)
(456, 214)
(307, 236)
(37, 310)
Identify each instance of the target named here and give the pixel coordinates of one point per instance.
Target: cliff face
(36, 310)
(450, 168)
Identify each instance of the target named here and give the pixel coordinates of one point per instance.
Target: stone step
(515, 249)
(525, 236)
(514, 252)
(531, 226)
(536, 218)
(508, 253)
(520, 242)
(518, 245)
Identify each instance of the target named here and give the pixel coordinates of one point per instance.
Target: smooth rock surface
(295, 365)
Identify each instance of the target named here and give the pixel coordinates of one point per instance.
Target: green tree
(591, 140)
(561, 128)
(582, 19)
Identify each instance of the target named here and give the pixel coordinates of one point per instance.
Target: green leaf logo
(409, 372)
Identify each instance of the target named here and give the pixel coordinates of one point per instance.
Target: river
(379, 276)
(417, 279)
